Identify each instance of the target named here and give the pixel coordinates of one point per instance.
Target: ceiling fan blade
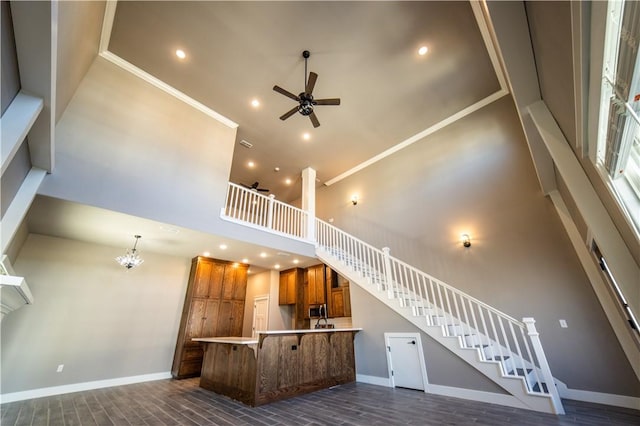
(286, 93)
(314, 119)
(334, 101)
(263, 190)
(246, 186)
(289, 113)
(311, 83)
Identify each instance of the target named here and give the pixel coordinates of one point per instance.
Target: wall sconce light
(354, 199)
(466, 240)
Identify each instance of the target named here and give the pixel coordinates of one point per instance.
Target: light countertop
(232, 340)
(254, 340)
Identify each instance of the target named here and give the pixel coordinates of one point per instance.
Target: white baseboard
(602, 398)
(476, 395)
(78, 387)
(373, 380)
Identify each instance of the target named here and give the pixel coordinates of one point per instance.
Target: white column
(309, 200)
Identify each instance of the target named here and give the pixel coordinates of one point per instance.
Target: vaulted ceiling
(365, 53)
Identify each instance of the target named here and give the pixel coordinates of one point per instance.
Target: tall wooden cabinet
(213, 306)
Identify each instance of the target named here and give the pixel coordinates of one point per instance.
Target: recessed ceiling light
(255, 103)
(180, 54)
(296, 261)
(306, 136)
(223, 246)
(287, 181)
(206, 253)
(276, 169)
(277, 266)
(245, 260)
(423, 50)
(263, 254)
(251, 164)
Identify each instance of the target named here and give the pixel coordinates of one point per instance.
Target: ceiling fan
(305, 99)
(255, 187)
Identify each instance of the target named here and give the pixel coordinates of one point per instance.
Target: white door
(406, 362)
(260, 315)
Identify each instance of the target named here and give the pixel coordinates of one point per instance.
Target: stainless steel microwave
(317, 311)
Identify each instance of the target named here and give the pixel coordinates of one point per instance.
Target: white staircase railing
(248, 206)
(495, 335)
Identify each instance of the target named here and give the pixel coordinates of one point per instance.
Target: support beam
(16, 123)
(19, 207)
(595, 215)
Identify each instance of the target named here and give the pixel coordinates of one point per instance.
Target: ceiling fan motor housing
(306, 104)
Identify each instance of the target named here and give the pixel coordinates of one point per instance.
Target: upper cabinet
(290, 281)
(317, 290)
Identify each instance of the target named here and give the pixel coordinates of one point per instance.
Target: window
(617, 156)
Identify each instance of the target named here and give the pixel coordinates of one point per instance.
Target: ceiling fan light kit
(305, 99)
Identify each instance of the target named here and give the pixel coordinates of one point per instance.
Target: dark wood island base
(278, 364)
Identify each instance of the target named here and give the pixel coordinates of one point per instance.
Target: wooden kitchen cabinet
(316, 290)
(340, 303)
(290, 282)
(213, 306)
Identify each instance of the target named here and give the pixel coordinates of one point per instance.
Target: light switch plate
(563, 323)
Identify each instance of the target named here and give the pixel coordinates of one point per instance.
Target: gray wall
(127, 146)
(90, 314)
(476, 176)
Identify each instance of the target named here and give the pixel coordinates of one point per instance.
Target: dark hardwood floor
(182, 402)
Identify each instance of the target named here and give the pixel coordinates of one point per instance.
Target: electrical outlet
(563, 323)
(60, 368)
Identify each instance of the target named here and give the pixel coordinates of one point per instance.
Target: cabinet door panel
(337, 303)
(215, 283)
(228, 282)
(224, 318)
(237, 317)
(209, 328)
(240, 287)
(201, 279)
(196, 318)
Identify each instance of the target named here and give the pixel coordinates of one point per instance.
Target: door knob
(413, 342)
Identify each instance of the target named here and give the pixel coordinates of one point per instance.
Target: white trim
(79, 387)
(127, 66)
(423, 368)
(415, 138)
(603, 398)
(107, 25)
(488, 36)
(476, 395)
(374, 380)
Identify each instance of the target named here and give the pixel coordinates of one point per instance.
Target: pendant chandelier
(131, 259)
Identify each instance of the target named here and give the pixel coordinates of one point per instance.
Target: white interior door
(260, 315)
(406, 361)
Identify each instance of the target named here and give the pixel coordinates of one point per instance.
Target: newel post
(270, 211)
(544, 365)
(387, 271)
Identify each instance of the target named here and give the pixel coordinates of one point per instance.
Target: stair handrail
(352, 246)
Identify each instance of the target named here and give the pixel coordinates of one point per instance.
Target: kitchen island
(277, 364)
